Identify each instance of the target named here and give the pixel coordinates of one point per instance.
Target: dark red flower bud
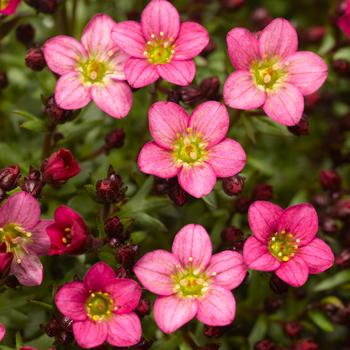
(342, 67)
(33, 183)
(126, 255)
(44, 6)
(143, 309)
(272, 304)
(302, 128)
(233, 185)
(210, 347)
(111, 189)
(121, 272)
(211, 47)
(25, 34)
(313, 34)
(214, 332)
(174, 96)
(162, 186)
(3, 195)
(232, 237)
(342, 209)
(210, 88)
(144, 344)
(60, 167)
(264, 344)
(114, 139)
(232, 4)
(310, 101)
(57, 114)
(277, 285)
(262, 192)
(3, 80)
(242, 204)
(260, 17)
(191, 95)
(9, 177)
(292, 329)
(35, 59)
(330, 180)
(5, 260)
(115, 229)
(177, 194)
(305, 344)
(343, 259)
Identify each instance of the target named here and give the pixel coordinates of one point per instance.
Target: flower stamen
(283, 245)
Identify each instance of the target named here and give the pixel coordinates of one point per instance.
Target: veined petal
(28, 270)
(41, 241)
(98, 277)
(177, 72)
(90, 334)
(139, 72)
(294, 272)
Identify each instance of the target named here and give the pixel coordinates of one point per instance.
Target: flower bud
(44, 6)
(292, 329)
(300, 129)
(305, 344)
(9, 177)
(35, 59)
(232, 238)
(210, 88)
(330, 180)
(111, 189)
(242, 204)
(25, 34)
(3, 80)
(210, 347)
(343, 259)
(33, 183)
(260, 17)
(214, 331)
(144, 344)
(210, 48)
(264, 344)
(342, 67)
(342, 209)
(177, 194)
(115, 229)
(126, 255)
(313, 34)
(310, 101)
(114, 139)
(57, 114)
(277, 285)
(174, 96)
(121, 272)
(233, 185)
(3, 195)
(262, 192)
(232, 4)
(162, 186)
(272, 304)
(143, 309)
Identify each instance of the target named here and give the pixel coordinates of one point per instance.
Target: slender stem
(47, 144)
(187, 337)
(74, 16)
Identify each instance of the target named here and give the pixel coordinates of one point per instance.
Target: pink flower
(271, 73)
(160, 46)
(191, 282)
(8, 7)
(68, 234)
(101, 308)
(25, 237)
(285, 241)
(344, 21)
(193, 148)
(2, 331)
(90, 70)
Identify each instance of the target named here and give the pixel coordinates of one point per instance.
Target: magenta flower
(285, 241)
(271, 73)
(160, 46)
(191, 282)
(25, 237)
(8, 7)
(90, 70)
(344, 21)
(101, 308)
(193, 148)
(2, 331)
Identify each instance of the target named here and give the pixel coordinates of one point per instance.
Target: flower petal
(128, 36)
(172, 312)
(2, 331)
(41, 241)
(166, 121)
(211, 120)
(192, 39)
(89, 334)
(301, 220)
(62, 54)
(307, 71)
(98, 277)
(317, 255)
(29, 271)
(70, 300)
(66, 215)
(240, 91)
(294, 272)
(263, 218)
(257, 256)
(178, 72)
(217, 308)
(279, 38)
(154, 271)
(158, 17)
(114, 99)
(156, 161)
(227, 158)
(243, 47)
(192, 246)
(124, 330)
(198, 181)
(344, 21)
(285, 105)
(228, 269)
(70, 93)
(139, 72)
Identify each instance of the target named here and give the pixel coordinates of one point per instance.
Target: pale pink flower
(25, 237)
(92, 69)
(160, 46)
(344, 21)
(270, 73)
(101, 308)
(8, 7)
(194, 148)
(284, 241)
(191, 282)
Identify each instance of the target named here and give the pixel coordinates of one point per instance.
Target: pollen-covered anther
(283, 245)
(99, 306)
(159, 50)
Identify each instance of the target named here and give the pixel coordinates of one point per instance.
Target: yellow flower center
(283, 245)
(4, 4)
(99, 306)
(67, 239)
(94, 71)
(159, 50)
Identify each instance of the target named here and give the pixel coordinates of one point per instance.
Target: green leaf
(321, 320)
(26, 115)
(259, 330)
(333, 281)
(34, 125)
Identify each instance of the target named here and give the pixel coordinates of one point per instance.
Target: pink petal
(115, 98)
(279, 38)
(70, 300)
(156, 161)
(177, 72)
(217, 307)
(211, 120)
(10, 8)
(98, 277)
(317, 255)
(263, 218)
(70, 93)
(227, 158)
(62, 54)
(139, 72)
(228, 269)
(2, 331)
(344, 22)
(307, 71)
(160, 16)
(257, 256)
(172, 312)
(128, 35)
(29, 271)
(301, 220)
(117, 58)
(192, 39)
(66, 216)
(90, 334)
(198, 181)
(285, 105)
(154, 271)
(124, 330)
(41, 241)
(192, 246)
(166, 121)
(294, 272)
(240, 91)
(243, 47)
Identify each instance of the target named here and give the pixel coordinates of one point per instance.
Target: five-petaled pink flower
(344, 21)
(271, 73)
(101, 308)
(193, 148)
(25, 237)
(191, 282)
(284, 241)
(161, 46)
(90, 70)
(8, 7)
